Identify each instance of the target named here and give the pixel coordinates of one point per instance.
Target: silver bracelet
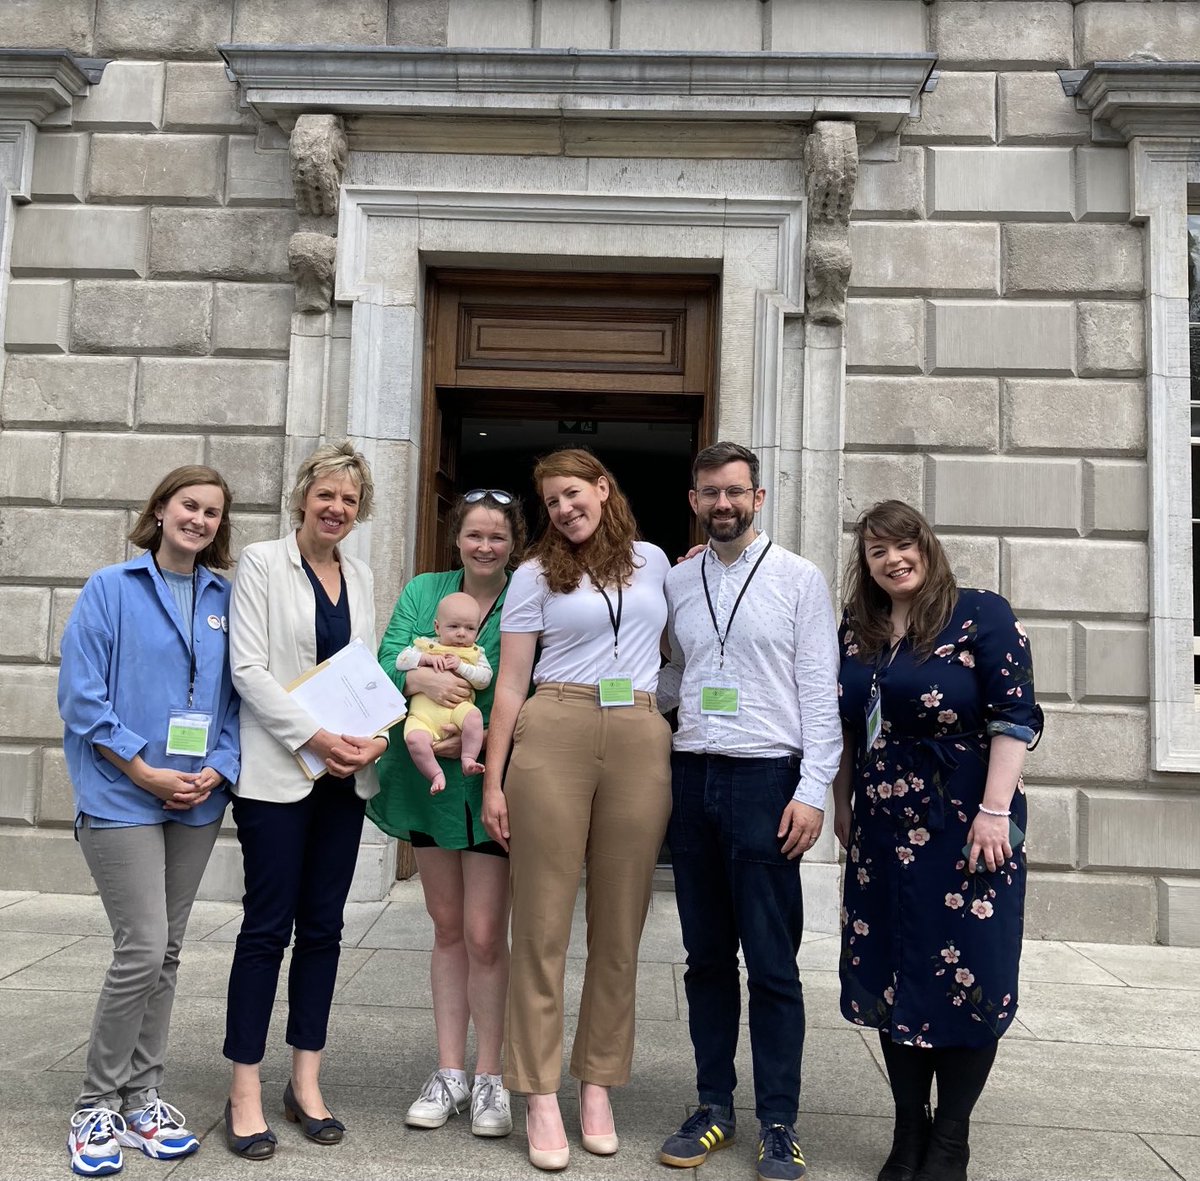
(994, 812)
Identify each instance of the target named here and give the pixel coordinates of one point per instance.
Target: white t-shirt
(576, 629)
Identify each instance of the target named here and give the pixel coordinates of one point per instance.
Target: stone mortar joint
(311, 262)
(318, 152)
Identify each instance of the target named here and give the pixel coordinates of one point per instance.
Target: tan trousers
(585, 786)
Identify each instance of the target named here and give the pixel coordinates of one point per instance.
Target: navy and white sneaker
(93, 1144)
(157, 1129)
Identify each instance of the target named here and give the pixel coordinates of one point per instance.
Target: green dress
(404, 804)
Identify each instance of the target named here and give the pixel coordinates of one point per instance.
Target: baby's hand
(450, 662)
(435, 662)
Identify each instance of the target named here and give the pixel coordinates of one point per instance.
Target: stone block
(1079, 259)
(1090, 744)
(578, 24)
(220, 243)
(948, 412)
(56, 801)
(701, 24)
(885, 335)
(1001, 183)
(162, 28)
(252, 318)
(1143, 829)
(1005, 493)
(873, 477)
(84, 391)
(1102, 417)
(62, 603)
(18, 784)
(892, 189)
(962, 108)
(200, 97)
(24, 621)
(252, 467)
(1102, 184)
(421, 22)
(853, 26)
(128, 97)
(60, 166)
(1113, 660)
(1111, 338)
(1116, 496)
(1034, 108)
(1160, 32)
(974, 560)
(1052, 644)
(141, 317)
(349, 22)
(177, 169)
(924, 257)
(1179, 911)
(37, 317)
(256, 177)
(481, 24)
(34, 859)
(49, 544)
(1073, 577)
(212, 393)
(29, 466)
(48, 24)
(1090, 908)
(968, 336)
(1053, 826)
(1013, 34)
(29, 703)
(251, 527)
(58, 241)
(104, 469)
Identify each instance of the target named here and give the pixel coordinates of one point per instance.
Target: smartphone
(1015, 837)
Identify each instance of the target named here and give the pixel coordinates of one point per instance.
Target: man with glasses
(753, 670)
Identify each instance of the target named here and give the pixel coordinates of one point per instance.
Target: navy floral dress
(931, 952)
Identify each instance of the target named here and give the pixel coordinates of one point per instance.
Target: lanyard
(495, 602)
(736, 603)
(614, 617)
(884, 660)
(191, 634)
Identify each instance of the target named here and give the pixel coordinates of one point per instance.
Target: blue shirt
(125, 667)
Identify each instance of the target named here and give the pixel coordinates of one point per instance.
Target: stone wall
(995, 347)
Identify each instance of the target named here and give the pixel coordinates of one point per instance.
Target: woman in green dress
(463, 873)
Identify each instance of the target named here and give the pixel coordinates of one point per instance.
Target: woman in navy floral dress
(930, 783)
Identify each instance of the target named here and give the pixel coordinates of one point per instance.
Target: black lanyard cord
(736, 603)
(614, 617)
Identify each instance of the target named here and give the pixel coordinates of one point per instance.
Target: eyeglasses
(496, 494)
(712, 495)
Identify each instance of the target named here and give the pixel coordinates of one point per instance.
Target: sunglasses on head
(496, 494)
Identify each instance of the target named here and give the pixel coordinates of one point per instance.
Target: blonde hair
(333, 459)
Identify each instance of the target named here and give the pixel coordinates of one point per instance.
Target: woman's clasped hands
(344, 754)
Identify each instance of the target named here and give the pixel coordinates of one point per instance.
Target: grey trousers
(147, 877)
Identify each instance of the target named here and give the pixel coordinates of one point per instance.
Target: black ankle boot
(909, 1139)
(948, 1152)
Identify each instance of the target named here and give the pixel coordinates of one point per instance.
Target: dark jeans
(734, 885)
(299, 861)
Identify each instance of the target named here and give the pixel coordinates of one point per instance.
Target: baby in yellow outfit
(454, 650)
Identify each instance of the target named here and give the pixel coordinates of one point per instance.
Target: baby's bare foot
(471, 766)
(438, 783)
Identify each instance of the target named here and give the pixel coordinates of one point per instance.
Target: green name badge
(616, 691)
(720, 699)
(187, 733)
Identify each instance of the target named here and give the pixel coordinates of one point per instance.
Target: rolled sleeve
(816, 668)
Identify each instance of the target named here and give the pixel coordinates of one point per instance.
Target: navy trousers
(299, 861)
(733, 885)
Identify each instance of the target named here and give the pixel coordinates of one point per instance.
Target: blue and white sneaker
(157, 1129)
(92, 1142)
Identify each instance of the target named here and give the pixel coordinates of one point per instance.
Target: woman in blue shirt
(151, 738)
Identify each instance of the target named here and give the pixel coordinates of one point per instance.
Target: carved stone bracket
(311, 261)
(318, 152)
(831, 171)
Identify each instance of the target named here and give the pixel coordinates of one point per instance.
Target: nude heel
(605, 1145)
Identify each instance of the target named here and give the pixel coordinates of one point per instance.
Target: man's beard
(727, 528)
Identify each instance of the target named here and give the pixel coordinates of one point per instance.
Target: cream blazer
(272, 640)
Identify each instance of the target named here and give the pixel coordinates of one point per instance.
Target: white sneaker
(491, 1113)
(157, 1129)
(442, 1095)
(92, 1142)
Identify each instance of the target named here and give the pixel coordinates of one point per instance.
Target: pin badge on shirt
(214, 621)
(224, 624)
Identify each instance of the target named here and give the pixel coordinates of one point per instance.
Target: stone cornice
(280, 82)
(35, 83)
(1135, 98)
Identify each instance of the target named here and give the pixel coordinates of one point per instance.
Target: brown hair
(867, 603)
(511, 512)
(719, 454)
(333, 459)
(147, 535)
(607, 556)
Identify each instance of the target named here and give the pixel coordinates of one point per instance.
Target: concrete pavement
(1099, 1079)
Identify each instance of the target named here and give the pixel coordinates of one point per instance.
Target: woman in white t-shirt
(589, 782)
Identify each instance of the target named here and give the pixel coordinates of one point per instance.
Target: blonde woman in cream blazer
(295, 602)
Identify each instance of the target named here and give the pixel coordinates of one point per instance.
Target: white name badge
(874, 712)
(616, 690)
(187, 732)
(724, 700)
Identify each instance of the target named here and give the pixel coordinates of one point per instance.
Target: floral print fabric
(930, 952)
